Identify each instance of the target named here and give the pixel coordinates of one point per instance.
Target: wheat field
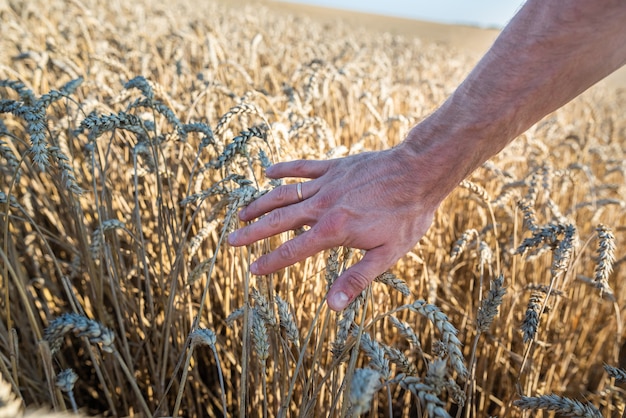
(130, 135)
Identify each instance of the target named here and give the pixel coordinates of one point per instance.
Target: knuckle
(323, 201)
(274, 219)
(288, 251)
(356, 282)
(300, 165)
(331, 224)
(282, 194)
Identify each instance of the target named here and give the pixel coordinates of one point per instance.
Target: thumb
(355, 279)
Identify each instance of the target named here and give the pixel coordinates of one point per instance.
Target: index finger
(309, 169)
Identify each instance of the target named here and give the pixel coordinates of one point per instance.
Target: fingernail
(254, 268)
(338, 301)
(232, 237)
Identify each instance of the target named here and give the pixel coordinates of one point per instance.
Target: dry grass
(131, 134)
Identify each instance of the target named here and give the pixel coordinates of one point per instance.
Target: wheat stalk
(65, 381)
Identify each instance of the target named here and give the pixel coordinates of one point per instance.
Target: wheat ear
(560, 405)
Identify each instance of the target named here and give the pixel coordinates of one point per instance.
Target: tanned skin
(383, 202)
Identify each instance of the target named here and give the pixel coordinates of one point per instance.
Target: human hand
(374, 201)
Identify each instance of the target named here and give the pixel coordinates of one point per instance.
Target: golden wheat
(130, 135)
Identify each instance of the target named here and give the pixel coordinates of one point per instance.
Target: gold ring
(299, 190)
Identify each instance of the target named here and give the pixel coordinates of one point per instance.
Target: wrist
(447, 147)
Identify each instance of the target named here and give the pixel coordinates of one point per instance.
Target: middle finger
(279, 197)
(277, 221)
(294, 250)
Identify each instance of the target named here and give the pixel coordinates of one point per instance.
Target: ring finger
(282, 196)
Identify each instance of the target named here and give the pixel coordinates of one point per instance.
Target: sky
(484, 13)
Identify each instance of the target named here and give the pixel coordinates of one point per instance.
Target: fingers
(279, 197)
(355, 279)
(287, 195)
(292, 251)
(277, 221)
(309, 169)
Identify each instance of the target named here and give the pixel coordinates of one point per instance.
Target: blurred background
(484, 13)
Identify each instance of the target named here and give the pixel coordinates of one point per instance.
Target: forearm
(549, 53)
